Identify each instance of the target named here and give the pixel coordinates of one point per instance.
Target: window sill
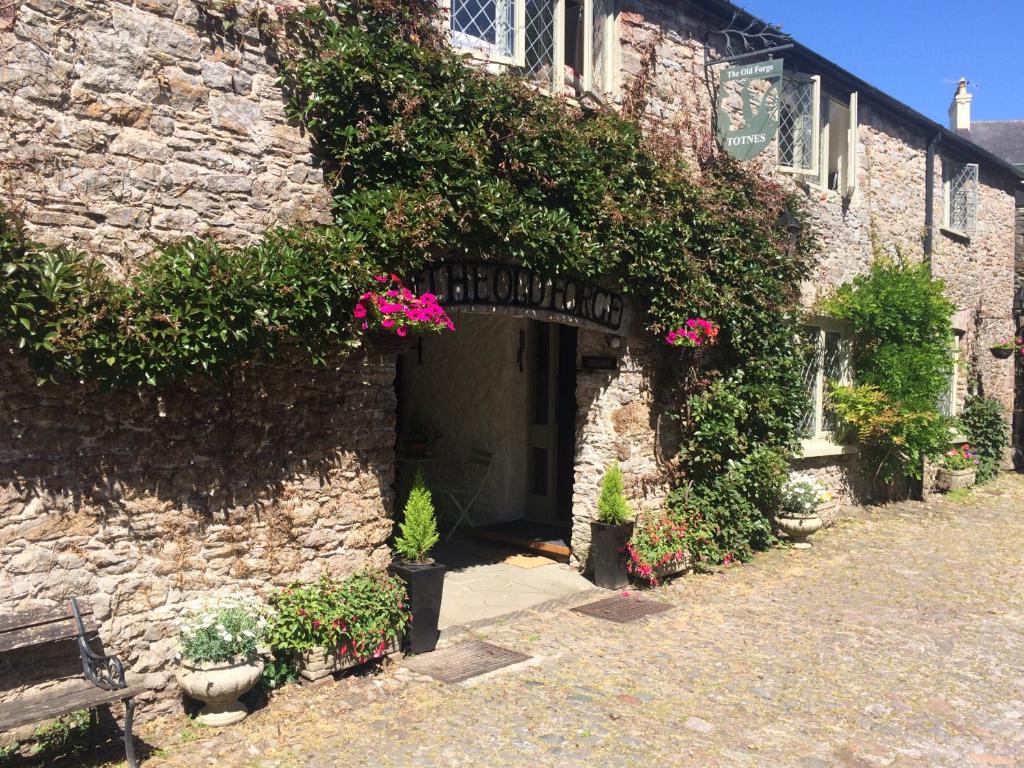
(817, 447)
(955, 234)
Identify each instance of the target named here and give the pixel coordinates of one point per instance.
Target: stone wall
(124, 124)
(142, 502)
(618, 418)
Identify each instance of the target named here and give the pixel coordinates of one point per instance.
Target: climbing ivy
(429, 158)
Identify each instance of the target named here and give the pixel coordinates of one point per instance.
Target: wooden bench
(103, 681)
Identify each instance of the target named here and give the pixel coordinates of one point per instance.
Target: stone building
(1004, 139)
(127, 123)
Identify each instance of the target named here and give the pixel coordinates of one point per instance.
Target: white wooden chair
(475, 472)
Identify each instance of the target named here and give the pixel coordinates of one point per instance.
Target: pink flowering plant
(358, 617)
(1015, 343)
(393, 307)
(957, 459)
(695, 332)
(657, 542)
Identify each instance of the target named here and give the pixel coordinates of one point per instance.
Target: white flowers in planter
(225, 628)
(803, 494)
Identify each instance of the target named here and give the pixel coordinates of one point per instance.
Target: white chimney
(960, 109)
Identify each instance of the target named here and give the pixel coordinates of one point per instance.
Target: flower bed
(657, 548)
(333, 624)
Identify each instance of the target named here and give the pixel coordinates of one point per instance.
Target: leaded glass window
(486, 27)
(799, 123)
(825, 365)
(961, 189)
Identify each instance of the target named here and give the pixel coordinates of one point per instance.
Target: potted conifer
(610, 532)
(424, 579)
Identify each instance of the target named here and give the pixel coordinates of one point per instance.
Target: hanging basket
(1001, 352)
(389, 343)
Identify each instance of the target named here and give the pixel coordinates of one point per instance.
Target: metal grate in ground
(622, 609)
(462, 661)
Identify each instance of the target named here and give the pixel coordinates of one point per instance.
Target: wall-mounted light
(614, 342)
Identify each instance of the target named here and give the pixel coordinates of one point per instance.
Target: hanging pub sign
(747, 135)
(487, 284)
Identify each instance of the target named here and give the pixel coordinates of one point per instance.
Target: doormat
(460, 662)
(622, 609)
(528, 561)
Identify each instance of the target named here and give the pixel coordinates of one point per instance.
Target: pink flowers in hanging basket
(395, 308)
(697, 332)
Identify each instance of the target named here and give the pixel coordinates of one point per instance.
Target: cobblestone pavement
(896, 641)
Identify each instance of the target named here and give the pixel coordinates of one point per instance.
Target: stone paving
(896, 641)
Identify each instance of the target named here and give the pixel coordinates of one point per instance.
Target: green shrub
(358, 617)
(419, 528)
(893, 438)
(984, 426)
(902, 352)
(612, 507)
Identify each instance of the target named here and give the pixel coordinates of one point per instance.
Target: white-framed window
(564, 46)
(489, 29)
(826, 363)
(948, 405)
(818, 134)
(960, 196)
(799, 124)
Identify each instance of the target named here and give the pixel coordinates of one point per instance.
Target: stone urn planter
(798, 526)
(607, 554)
(218, 685)
(952, 479)
(318, 663)
(424, 584)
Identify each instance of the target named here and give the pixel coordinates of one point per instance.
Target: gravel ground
(895, 641)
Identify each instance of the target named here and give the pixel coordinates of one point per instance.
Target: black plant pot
(607, 554)
(1001, 352)
(424, 584)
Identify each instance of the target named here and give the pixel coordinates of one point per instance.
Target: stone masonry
(124, 124)
(143, 502)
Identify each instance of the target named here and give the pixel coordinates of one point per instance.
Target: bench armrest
(103, 671)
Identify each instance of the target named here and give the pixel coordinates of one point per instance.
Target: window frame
(814, 171)
(518, 55)
(951, 168)
(824, 326)
(954, 378)
(606, 79)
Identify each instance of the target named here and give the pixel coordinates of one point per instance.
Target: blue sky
(916, 50)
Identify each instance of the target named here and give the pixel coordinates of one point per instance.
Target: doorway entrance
(552, 421)
(504, 386)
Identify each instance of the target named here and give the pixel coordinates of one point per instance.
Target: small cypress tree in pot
(610, 532)
(424, 579)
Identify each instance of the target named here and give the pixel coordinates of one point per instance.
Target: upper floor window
(960, 196)
(826, 364)
(564, 46)
(818, 134)
(491, 29)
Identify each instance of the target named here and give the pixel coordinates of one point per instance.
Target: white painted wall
(469, 393)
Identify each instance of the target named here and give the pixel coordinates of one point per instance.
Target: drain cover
(463, 661)
(621, 609)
